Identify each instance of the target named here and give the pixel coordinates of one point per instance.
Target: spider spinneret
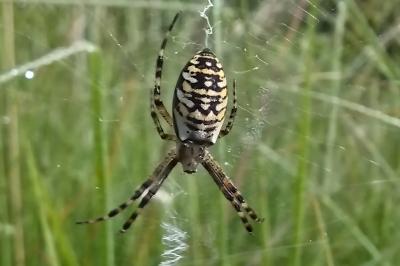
(199, 107)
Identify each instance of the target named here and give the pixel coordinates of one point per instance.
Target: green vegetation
(315, 148)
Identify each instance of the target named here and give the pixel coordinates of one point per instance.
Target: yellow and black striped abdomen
(200, 99)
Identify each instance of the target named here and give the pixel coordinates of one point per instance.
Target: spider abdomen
(200, 99)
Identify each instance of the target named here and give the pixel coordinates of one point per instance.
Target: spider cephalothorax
(190, 155)
(199, 108)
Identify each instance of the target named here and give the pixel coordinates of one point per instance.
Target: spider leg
(232, 188)
(138, 192)
(225, 131)
(156, 104)
(151, 192)
(230, 191)
(159, 128)
(236, 205)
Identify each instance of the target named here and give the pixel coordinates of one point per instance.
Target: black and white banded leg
(152, 184)
(225, 131)
(157, 104)
(230, 192)
(150, 193)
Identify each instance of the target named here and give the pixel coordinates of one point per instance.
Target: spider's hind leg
(156, 104)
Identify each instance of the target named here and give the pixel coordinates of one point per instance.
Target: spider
(199, 107)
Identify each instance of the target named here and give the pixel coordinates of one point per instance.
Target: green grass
(315, 148)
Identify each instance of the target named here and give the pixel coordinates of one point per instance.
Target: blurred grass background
(315, 148)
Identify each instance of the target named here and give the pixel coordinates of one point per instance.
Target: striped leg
(159, 128)
(156, 102)
(225, 131)
(230, 192)
(232, 188)
(229, 196)
(151, 192)
(149, 183)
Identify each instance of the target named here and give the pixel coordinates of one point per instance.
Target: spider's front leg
(230, 191)
(168, 164)
(151, 185)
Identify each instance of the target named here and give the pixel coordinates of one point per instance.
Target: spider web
(266, 50)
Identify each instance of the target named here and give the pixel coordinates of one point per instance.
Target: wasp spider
(199, 107)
